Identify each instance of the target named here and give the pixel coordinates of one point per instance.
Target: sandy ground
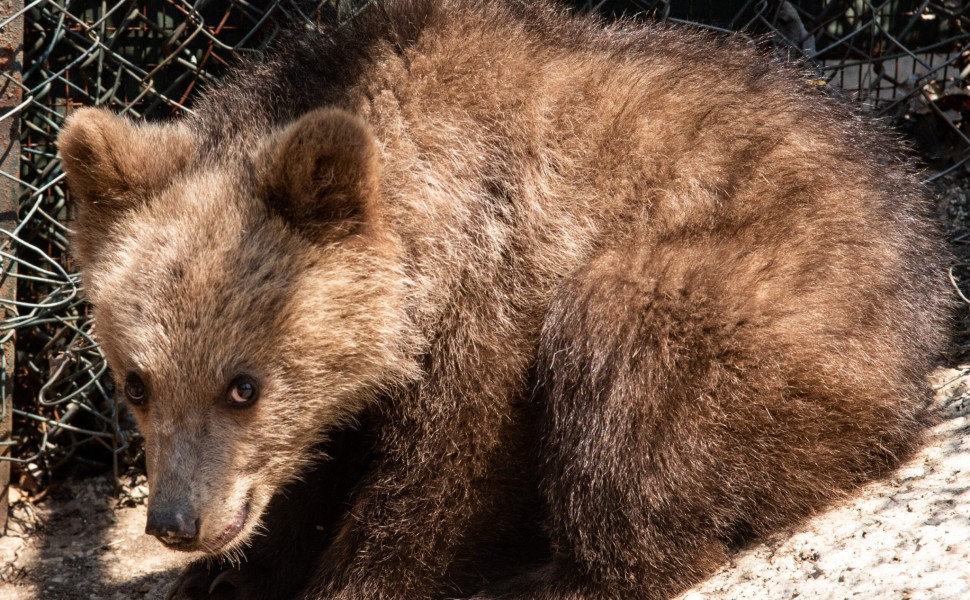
(81, 544)
(906, 537)
(902, 538)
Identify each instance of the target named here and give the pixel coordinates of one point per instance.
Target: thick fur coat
(479, 299)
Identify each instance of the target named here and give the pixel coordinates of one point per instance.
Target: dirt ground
(903, 538)
(82, 543)
(906, 537)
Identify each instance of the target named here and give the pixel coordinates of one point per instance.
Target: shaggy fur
(538, 307)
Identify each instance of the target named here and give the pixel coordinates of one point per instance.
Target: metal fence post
(11, 65)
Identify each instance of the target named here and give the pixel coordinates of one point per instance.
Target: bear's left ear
(321, 174)
(108, 158)
(112, 165)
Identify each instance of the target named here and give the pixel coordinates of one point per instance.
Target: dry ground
(907, 537)
(903, 538)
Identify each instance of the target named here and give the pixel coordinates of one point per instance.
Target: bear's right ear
(112, 164)
(321, 174)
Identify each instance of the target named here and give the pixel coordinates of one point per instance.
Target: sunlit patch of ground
(80, 545)
(905, 537)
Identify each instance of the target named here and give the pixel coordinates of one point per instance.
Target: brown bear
(481, 299)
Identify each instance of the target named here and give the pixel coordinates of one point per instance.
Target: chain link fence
(906, 61)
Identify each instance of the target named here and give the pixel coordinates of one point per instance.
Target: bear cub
(482, 299)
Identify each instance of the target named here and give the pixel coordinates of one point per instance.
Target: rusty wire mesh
(905, 60)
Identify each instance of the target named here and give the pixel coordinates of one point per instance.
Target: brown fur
(635, 285)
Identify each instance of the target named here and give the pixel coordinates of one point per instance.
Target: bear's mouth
(229, 533)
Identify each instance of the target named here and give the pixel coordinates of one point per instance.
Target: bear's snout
(174, 524)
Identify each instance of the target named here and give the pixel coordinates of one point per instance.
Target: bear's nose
(172, 524)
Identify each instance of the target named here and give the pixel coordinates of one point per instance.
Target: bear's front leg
(300, 522)
(446, 506)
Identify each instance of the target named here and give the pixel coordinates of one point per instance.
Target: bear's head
(246, 304)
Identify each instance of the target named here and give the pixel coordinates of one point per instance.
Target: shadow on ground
(85, 547)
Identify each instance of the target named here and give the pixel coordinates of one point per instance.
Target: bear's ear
(113, 164)
(321, 174)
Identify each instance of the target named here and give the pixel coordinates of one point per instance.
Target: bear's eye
(135, 390)
(242, 392)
